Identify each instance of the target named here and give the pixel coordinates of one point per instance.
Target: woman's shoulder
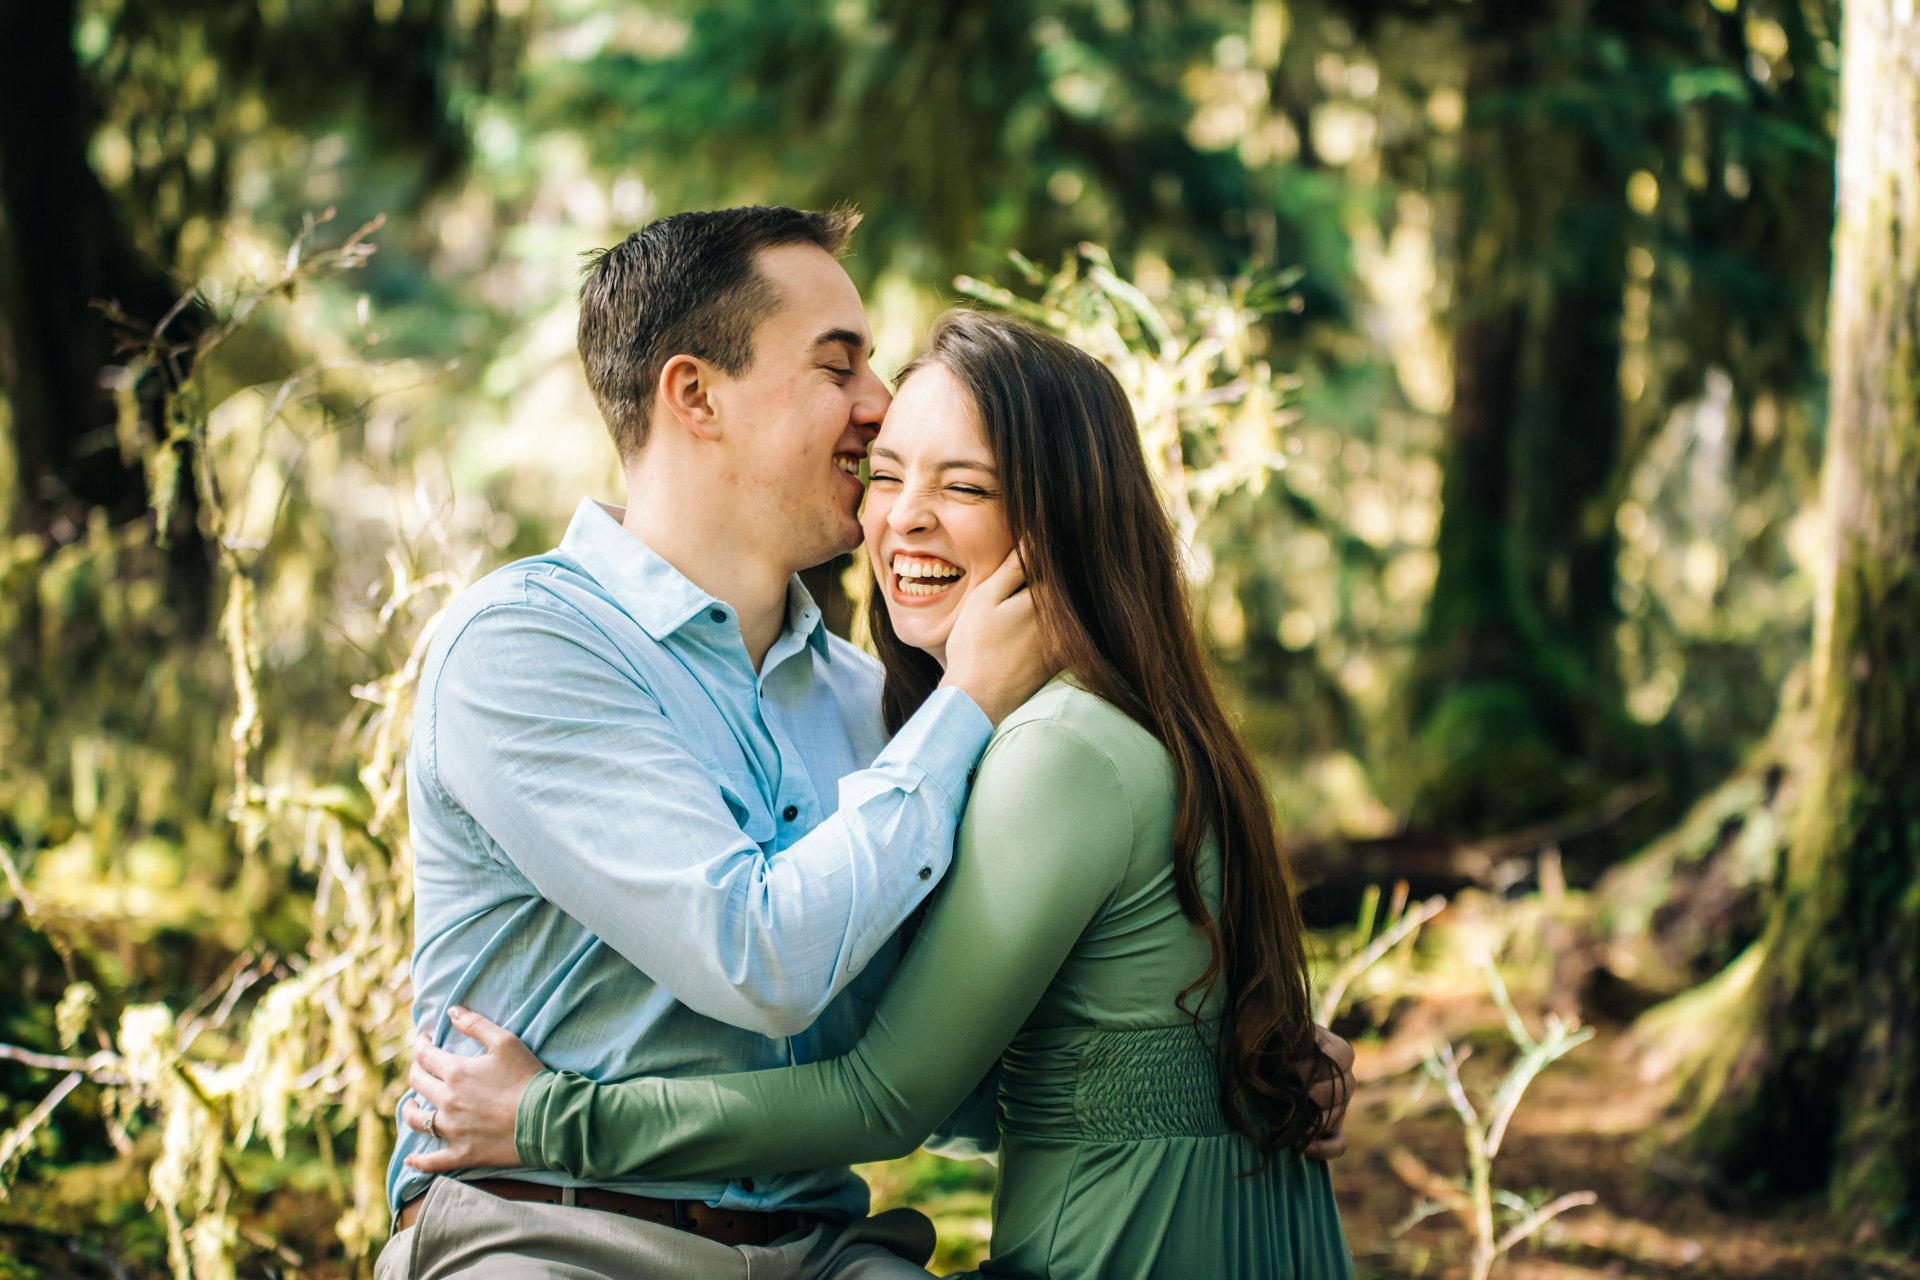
(1066, 717)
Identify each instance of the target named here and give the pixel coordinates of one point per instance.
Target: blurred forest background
(1540, 403)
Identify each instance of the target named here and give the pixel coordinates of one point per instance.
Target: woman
(1118, 932)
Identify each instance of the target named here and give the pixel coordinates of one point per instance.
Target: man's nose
(870, 404)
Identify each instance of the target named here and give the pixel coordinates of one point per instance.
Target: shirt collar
(804, 617)
(654, 593)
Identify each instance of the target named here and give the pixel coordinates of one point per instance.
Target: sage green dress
(1058, 947)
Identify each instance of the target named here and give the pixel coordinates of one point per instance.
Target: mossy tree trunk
(1572, 429)
(1515, 705)
(1828, 1091)
(64, 254)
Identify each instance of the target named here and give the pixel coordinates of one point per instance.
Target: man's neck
(699, 540)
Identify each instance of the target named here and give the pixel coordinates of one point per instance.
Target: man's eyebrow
(841, 338)
(948, 464)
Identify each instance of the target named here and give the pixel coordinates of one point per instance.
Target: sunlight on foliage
(1209, 410)
(316, 1049)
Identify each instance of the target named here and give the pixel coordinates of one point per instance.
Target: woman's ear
(685, 391)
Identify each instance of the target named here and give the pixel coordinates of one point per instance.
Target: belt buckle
(682, 1220)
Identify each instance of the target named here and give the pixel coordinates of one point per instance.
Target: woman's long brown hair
(1103, 563)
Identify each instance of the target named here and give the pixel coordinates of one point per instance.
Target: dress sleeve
(1044, 842)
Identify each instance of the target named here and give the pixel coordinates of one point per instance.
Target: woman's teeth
(920, 577)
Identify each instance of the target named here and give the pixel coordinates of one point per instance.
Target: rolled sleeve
(944, 739)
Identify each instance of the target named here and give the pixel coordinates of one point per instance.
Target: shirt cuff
(530, 1121)
(943, 740)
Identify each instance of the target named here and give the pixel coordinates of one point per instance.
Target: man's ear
(685, 391)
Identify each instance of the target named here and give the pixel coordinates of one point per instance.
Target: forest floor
(1590, 1122)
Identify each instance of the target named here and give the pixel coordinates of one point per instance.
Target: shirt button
(718, 615)
(790, 812)
(926, 873)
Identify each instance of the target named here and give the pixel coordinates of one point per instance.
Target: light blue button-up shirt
(642, 856)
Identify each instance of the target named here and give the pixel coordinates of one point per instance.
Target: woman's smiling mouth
(920, 577)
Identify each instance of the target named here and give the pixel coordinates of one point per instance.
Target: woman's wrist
(529, 1122)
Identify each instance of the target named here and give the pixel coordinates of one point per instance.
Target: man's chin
(830, 549)
(852, 536)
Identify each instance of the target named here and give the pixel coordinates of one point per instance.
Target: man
(657, 826)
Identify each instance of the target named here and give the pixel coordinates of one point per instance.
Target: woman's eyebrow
(948, 464)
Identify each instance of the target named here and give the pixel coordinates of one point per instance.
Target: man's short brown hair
(686, 284)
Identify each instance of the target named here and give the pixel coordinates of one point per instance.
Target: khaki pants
(472, 1235)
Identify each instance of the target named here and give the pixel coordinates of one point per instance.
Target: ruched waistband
(1116, 1086)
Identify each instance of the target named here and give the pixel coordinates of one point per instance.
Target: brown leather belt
(725, 1226)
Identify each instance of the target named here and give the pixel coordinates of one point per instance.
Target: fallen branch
(1424, 1179)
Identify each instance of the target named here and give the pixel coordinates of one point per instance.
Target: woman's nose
(910, 513)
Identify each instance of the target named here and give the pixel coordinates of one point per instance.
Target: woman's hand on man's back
(1333, 1094)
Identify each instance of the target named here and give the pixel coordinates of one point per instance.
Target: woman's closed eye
(880, 477)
